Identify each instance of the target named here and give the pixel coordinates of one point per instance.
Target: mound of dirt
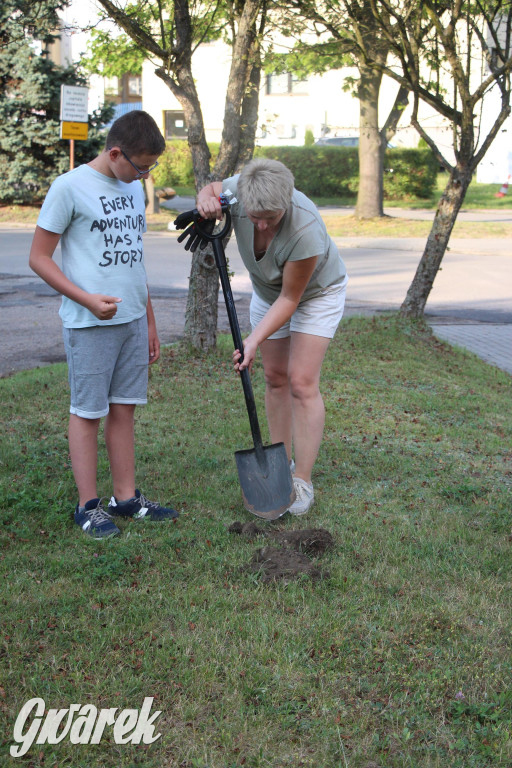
(285, 564)
(291, 558)
(312, 541)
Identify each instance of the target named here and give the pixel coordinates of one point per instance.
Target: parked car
(339, 141)
(343, 141)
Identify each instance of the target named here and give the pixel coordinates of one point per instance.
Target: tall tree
(31, 152)
(33, 19)
(346, 29)
(452, 55)
(169, 32)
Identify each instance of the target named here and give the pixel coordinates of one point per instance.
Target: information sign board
(74, 130)
(74, 104)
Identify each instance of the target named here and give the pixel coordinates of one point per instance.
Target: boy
(98, 214)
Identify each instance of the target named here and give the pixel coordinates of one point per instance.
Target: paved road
(471, 302)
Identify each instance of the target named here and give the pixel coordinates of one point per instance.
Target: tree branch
(133, 29)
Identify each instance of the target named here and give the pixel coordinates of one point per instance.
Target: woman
(299, 282)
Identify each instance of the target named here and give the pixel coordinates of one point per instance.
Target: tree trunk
(200, 328)
(202, 301)
(250, 109)
(370, 193)
(437, 242)
(243, 53)
(152, 201)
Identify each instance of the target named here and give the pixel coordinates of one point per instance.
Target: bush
(320, 171)
(410, 173)
(309, 138)
(326, 171)
(175, 165)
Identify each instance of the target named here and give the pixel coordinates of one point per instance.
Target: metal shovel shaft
(220, 260)
(264, 471)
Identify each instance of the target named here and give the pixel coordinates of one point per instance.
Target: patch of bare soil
(291, 557)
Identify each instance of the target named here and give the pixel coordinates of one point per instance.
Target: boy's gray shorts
(107, 364)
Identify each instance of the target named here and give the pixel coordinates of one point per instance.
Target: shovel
(263, 471)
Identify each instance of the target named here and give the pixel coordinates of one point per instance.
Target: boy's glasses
(140, 173)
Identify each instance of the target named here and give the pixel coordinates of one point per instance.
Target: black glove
(194, 235)
(184, 219)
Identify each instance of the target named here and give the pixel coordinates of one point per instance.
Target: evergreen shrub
(174, 166)
(32, 154)
(309, 138)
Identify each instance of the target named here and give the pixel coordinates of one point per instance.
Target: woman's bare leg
(278, 404)
(307, 354)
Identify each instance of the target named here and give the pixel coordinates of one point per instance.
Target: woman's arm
(296, 276)
(208, 203)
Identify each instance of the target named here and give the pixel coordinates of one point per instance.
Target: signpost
(74, 116)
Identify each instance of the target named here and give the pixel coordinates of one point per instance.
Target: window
(298, 86)
(175, 127)
(135, 85)
(277, 84)
(285, 83)
(111, 86)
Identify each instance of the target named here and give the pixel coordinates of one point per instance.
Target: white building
(288, 106)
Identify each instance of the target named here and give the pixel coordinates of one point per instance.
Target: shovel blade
(266, 480)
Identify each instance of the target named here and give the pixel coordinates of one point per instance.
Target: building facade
(288, 106)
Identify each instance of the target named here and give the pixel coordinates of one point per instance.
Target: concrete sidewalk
(470, 305)
(490, 341)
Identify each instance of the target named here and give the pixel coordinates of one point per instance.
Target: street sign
(74, 116)
(74, 130)
(74, 104)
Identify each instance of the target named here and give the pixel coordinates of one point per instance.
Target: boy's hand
(154, 343)
(103, 307)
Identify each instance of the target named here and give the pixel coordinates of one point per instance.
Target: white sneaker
(305, 497)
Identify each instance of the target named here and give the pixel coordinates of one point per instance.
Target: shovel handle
(216, 238)
(220, 260)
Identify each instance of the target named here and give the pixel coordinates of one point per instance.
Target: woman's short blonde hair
(265, 185)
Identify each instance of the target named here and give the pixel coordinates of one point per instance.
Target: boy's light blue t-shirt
(101, 221)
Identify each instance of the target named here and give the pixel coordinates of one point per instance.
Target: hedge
(320, 171)
(174, 166)
(410, 173)
(324, 171)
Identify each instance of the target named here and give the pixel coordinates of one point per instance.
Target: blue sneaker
(94, 521)
(141, 508)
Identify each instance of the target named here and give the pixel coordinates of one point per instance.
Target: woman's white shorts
(319, 316)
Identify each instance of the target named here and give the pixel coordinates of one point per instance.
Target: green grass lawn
(477, 196)
(400, 656)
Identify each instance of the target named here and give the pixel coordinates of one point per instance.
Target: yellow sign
(73, 130)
